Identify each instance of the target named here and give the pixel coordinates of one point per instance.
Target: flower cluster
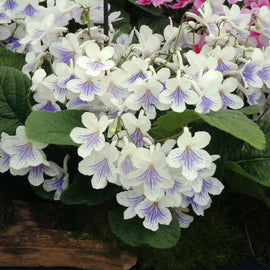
(210, 62)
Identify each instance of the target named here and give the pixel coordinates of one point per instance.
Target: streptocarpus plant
(127, 112)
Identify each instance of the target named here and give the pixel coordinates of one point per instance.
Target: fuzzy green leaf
(243, 185)
(82, 192)
(14, 87)
(232, 122)
(53, 127)
(252, 163)
(11, 59)
(133, 233)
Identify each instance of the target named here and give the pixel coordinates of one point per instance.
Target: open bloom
(189, 154)
(23, 152)
(92, 136)
(96, 59)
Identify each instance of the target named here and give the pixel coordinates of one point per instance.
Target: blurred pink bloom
(156, 3)
(183, 3)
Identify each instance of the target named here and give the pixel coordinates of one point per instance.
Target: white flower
(60, 182)
(152, 172)
(23, 152)
(155, 213)
(92, 136)
(96, 59)
(189, 154)
(130, 199)
(178, 93)
(101, 166)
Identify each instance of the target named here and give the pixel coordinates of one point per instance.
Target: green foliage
(82, 192)
(232, 122)
(11, 59)
(247, 171)
(245, 185)
(14, 88)
(53, 127)
(253, 109)
(133, 232)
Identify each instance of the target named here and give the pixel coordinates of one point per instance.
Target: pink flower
(156, 3)
(183, 3)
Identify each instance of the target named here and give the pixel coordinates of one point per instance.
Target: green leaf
(253, 169)
(243, 185)
(14, 88)
(82, 192)
(150, 9)
(232, 122)
(132, 231)
(11, 59)
(238, 125)
(251, 109)
(53, 127)
(252, 163)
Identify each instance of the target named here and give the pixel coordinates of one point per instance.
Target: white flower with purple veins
(58, 183)
(75, 103)
(200, 63)
(125, 164)
(46, 100)
(264, 73)
(10, 6)
(210, 185)
(91, 137)
(137, 128)
(228, 99)
(249, 74)
(178, 94)
(29, 7)
(154, 213)
(198, 209)
(101, 166)
(4, 18)
(146, 95)
(130, 199)
(113, 83)
(58, 81)
(135, 68)
(96, 60)
(209, 98)
(174, 193)
(23, 152)
(254, 96)
(37, 30)
(65, 49)
(225, 58)
(36, 174)
(4, 157)
(152, 172)
(189, 155)
(183, 219)
(87, 86)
